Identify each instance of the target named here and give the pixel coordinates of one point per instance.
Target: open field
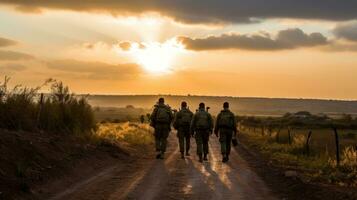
(239, 105)
(322, 142)
(314, 160)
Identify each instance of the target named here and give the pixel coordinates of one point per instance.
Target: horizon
(248, 97)
(111, 47)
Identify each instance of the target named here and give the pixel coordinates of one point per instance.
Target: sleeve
(235, 123)
(217, 125)
(193, 123)
(171, 114)
(176, 117)
(211, 122)
(153, 116)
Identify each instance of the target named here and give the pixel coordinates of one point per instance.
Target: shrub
(59, 111)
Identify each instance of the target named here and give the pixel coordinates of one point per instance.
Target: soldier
(226, 126)
(201, 128)
(182, 123)
(161, 119)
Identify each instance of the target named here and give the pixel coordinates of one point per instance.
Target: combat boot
(187, 154)
(161, 156)
(182, 155)
(224, 159)
(200, 158)
(158, 156)
(205, 157)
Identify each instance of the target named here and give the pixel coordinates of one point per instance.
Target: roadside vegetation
(131, 133)
(43, 136)
(307, 144)
(23, 108)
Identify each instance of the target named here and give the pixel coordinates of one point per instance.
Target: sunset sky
(260, 48)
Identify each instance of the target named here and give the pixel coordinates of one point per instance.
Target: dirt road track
(174, 178)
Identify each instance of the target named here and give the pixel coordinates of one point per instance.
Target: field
(322, 141)
(240, 105)
(114, 114)
(316, 160)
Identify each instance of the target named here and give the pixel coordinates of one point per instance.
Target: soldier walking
(182, 123)
(201, 128)
(161, 119)
(226, 126)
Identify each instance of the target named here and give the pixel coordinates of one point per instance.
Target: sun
(155, 57)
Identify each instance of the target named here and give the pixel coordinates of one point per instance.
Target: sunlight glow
(155, 57)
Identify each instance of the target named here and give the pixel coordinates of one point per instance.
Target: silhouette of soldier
(161, 119)
(201, 128)
(182, 124)
(226, 126)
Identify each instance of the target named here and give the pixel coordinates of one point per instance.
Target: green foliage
(60, 110)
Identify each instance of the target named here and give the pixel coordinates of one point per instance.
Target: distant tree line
(302, 119)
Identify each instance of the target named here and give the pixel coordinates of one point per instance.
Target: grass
(58, 111)
(320, 164)
(128, 132)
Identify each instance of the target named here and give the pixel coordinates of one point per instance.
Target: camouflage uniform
(225, 132)
(162, 129)
(202, 134)
(183, 129)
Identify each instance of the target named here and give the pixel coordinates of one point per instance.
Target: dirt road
(173, 178)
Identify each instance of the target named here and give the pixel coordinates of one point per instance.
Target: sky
(249, 48)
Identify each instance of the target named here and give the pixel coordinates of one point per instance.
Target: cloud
(95, 70)
(285, 39)
(347, 31)
(6, 42)
(11, 68)
(13, 55)
(205, 11)
(125, 46)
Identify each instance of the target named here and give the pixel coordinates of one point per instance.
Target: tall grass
(59, 111)
(128, 132)
(314, 166)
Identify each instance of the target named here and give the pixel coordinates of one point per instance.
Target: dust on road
(174, 178)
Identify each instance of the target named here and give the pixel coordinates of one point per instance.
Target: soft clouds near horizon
(95, 70)
(14, 55)
(6, 42)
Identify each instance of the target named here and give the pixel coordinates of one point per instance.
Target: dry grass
(130, 133)
(316, 166)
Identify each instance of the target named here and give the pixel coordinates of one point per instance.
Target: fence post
(337, 142)
(308, 143)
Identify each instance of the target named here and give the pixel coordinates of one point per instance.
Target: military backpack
(202, 120)
(163, 114)
(226, 120)
(186, 117)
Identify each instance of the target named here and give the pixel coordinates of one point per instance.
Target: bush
(59, 111)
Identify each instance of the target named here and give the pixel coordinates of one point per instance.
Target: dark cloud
(206, 11)
(347, 31)
(6, 42)
(13, 55)
(96, 70)
(285, 39)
